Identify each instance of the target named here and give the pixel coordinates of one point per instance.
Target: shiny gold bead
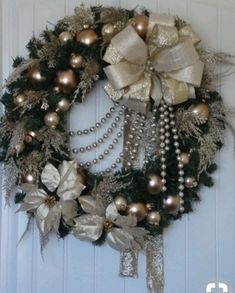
(64, 37)
(52, 119)
(76, 61)
(154, 218)
(87, 37)
(139, 210)
(121, 203)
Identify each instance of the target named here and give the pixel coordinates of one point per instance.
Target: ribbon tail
(129, 263)
(156, 90)
(154, 264)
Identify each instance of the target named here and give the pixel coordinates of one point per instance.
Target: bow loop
(166, 66)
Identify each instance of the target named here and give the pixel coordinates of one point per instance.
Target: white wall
(198, 249)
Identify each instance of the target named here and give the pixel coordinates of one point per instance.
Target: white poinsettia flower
(122, 233)
(64, 187)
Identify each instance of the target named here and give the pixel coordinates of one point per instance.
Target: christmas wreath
(162, 83)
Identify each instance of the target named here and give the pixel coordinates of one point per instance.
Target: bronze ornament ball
(35, 75)
(87, 37)
(184, 158)
(201, 110)
(121, 203)
(154, 218)
(19, 99)
(140, 24)
(139, 210)
(190, 182)
(66, 80)
(76, 61)
(154, 184)
(64, 37)
(172, 204)
(108, 31)
(63, 105)
(51, 119)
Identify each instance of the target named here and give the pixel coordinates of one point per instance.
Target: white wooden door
(199, 249)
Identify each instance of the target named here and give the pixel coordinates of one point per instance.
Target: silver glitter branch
(11, 173)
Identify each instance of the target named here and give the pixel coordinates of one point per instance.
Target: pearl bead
(103, 120)
(100, 140)
(71, 133)
(75, 150)
(101, 157)
(79, 132)
(164, 188)
(82, 150)
(88, 164)
(109, 130)
(181, 194)
(105, 135)
(98, 125)
(95, 161)
(108, 115)
(118, 160)
(111, 146)
(92, 129)
(106, 152)
(114, 124)
(113, 166)
(119, 134)
(112, 110)
(115, 140)
(181, 187)
(88, 148)
(85, 131)
(94, 144)
(108, 170)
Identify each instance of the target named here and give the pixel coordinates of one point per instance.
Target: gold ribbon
(166, 66)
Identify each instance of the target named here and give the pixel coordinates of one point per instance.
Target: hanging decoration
(165, 110)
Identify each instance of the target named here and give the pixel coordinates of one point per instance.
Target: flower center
(108, 225)
(50, 201)
(149, 67)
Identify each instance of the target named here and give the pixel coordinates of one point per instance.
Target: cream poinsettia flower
(122, 233)
(57, 199)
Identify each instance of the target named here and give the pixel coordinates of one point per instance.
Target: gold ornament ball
(19, 99)
(140, 24)
(121, 203)
(190, 182)
(32, 133)
(87, 37)
(64, 37)
(108, 31)
(35, 76)
(154, 184)
(184, 158)
(154, 218)
(66, 80)
(63, 105)
(52, 119)
(202, 111)
(138, 209)
(19, 148)
(76, 61)
(172, 204)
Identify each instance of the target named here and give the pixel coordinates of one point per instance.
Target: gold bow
(166, 66)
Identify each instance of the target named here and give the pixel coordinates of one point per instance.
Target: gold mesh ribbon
(154, 264)
(139, 70)
(129, 263)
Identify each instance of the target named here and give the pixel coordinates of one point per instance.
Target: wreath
(162, 83)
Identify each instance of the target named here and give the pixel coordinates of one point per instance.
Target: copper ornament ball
(76, 61)
(64, 37)
(63, 105)
(35, 75)
(19, 99)
(66, 80)
(154, 218)
(190, 182)
(87, 37)
(108, 31)
(184, 158)
(51, 119)
(154, 184)
(138, 209)
(202, 111)
(121, 203)
(172, 204)
(28, 178)
(140, 24)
